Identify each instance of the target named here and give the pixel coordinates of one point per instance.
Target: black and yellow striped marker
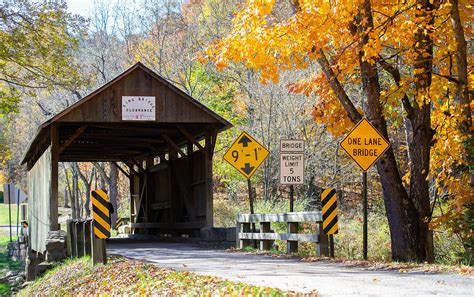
(329, 205)
(120, 222)
(100, 214)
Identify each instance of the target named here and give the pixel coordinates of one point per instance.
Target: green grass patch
(7, 264)
(5, 289)
(124, 277)
(4, 214)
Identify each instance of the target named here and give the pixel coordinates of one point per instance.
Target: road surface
(328, 279)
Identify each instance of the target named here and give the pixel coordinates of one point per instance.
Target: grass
(4, 214)
(124, 277)
(6, 264)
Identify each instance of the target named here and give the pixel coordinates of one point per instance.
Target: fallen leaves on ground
(129, 277)
(370, 265)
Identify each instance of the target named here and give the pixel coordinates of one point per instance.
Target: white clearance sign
(138, 108)
(291, 162)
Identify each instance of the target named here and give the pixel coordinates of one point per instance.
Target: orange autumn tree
(408, 59)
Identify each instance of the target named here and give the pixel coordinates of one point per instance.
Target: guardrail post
(80, 238)
(98, 249)
(292, 246)
(87, 238)
(69, 238)
(322, 249)
(265, 244)
(245, 242)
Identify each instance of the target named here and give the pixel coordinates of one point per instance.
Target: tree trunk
(87, 190)
(112, 181)
(408, 229)
(66, 198)
(462, 96)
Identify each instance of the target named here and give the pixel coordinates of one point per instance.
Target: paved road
(5, 229)
(289, 274)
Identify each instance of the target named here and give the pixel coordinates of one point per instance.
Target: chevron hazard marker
(329, 206)
(101, 215)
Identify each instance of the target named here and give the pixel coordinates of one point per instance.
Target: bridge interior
(168, 159)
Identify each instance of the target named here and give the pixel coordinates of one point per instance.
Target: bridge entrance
(159, 137)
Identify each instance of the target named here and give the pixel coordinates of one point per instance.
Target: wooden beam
(72, 138)
(123, 138)
(53, 211)
(137, 129)
(191, 138)
(173, 145)
(121, 169)
(130, 166)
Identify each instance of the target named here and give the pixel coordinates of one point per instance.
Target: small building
(160, 138)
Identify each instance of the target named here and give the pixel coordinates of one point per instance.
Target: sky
(81, 7)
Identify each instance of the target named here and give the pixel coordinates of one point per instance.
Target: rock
(42, 267)
(25, 284)
(31, 263)
(10, 274)
(55, 255)
(15, 281)
(54, 244)
(57, 234)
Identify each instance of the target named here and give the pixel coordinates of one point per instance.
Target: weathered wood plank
(72, 138)
(297, 217)
(53, 215)
(279, 236)
(191, 138)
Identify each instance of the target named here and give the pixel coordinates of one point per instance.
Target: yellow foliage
(268, 45)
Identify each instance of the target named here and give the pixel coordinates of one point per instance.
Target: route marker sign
(364, 144)
(246, 154)
(100, 214)
(291, 162)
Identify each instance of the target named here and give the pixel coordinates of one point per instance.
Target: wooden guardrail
(266, 236)
(81, 241)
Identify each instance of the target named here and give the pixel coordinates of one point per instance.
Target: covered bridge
(163, 139)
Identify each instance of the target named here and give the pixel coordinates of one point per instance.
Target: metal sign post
(364, 227)
(10, 211)
(365, 145)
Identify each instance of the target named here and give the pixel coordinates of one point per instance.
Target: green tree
(37, 43)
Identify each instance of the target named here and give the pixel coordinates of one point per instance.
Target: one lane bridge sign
(365, 144)
(246, 154)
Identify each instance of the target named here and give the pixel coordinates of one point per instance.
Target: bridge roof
(94, 129)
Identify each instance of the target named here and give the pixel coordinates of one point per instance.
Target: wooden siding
(39, 192)
(106, 106)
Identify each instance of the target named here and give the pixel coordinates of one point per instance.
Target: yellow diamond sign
(364, 144)
(246, 154)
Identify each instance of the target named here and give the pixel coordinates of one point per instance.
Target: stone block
(217, 234)
(54, 244)
(231, 234)
(42, 267)
(31, 263)
(55, 255)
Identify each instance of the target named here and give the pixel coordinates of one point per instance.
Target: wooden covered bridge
(160, 138)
